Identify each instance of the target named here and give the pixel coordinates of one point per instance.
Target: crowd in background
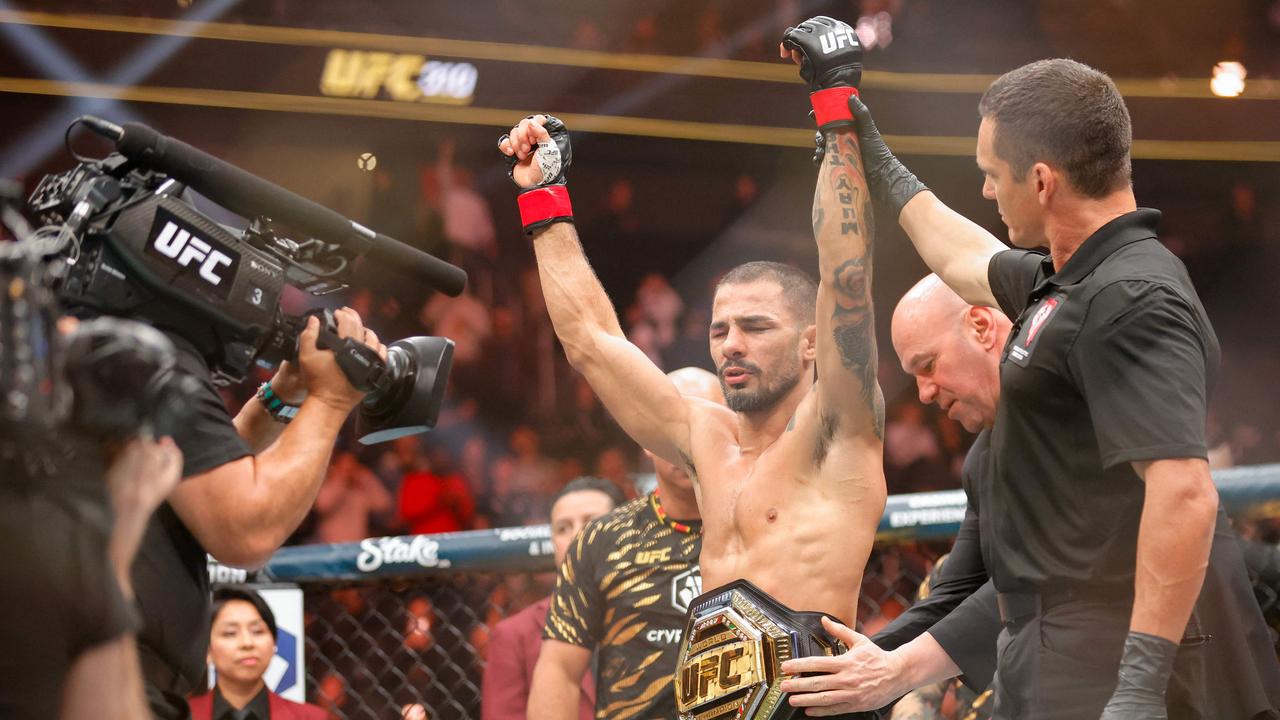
(519, 423)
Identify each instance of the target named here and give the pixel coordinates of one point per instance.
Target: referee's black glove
(1144, 674)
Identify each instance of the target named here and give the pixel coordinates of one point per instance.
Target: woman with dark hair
(242, 641)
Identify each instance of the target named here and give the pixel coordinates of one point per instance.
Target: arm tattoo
(853, 320)
(853, 328)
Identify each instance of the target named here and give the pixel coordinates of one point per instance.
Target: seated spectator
(463, 319)
(242, 641)
(524, 479)
(399, 458)
(419, 619)
(350, 494)
(613, 464)
(518, 639)
(435, 498)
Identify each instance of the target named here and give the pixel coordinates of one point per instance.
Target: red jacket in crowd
(430, 503)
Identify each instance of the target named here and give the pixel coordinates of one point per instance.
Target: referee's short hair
(590, 482)
(1064, 113)
(223, 595)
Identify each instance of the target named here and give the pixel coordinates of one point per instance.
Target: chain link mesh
(374, 648)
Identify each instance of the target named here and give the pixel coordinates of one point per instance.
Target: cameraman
(248, 483)
(67, 632)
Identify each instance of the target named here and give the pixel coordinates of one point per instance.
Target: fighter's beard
(761, 400)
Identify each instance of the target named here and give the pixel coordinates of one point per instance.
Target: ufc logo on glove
(838, 40)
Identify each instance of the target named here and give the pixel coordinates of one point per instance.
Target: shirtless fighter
(789, 477)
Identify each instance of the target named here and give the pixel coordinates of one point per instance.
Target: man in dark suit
(1226, 666)
(516, 641)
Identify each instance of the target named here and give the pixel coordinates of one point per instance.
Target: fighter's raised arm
(849, 401)
(954, 247)
(634, 390)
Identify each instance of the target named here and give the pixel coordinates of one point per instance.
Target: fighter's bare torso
(796, 517)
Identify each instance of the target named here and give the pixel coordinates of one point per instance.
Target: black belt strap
(1016, 608)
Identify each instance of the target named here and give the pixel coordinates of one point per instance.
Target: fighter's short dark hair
(1064, 113)
(225, 594)
(798, 288)
(591, 482)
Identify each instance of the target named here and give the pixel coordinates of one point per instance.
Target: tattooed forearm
(839, 154)
(853, 329)
(843, 226)
(869, 221)
(847, 195)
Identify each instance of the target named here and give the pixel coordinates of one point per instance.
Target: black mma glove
(548, 201)
(890, 182)
(1144, 675)
(831, 62)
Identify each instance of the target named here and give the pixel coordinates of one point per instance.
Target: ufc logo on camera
(214, 263)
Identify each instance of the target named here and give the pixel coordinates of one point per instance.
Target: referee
(1101, 505)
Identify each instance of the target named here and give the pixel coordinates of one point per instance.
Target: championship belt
(735, 640)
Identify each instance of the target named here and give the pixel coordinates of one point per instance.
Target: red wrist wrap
(832, 105)
(544, 205)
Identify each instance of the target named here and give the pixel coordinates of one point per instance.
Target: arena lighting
(1228, 79)
(22, 154)
(875, 30)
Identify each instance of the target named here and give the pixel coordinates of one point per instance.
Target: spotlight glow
(1228, 79)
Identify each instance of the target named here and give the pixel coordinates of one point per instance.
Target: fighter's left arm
(849, 398)
(849, 401)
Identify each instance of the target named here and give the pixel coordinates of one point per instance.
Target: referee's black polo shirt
(1110, 361)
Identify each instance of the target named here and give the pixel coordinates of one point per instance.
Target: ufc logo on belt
(837, 40)
(185, 248)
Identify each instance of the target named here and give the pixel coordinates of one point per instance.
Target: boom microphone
(249, 195)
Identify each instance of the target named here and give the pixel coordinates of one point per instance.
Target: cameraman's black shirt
(58, 593)
(171, 575)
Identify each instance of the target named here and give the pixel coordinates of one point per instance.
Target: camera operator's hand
(142, 474)
(323, 378)
(288, 383)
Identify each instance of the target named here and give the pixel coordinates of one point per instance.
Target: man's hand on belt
(864, 678)
(1144, 675)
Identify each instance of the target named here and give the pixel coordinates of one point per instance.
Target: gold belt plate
(730, 663)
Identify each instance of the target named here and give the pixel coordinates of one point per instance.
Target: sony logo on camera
(180, 241)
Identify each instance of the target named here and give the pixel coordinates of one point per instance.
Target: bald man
(623, 591)
(1226, 667)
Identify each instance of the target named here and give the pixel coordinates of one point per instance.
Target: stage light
(875, 30)
(1228, 79)
(367, 162)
